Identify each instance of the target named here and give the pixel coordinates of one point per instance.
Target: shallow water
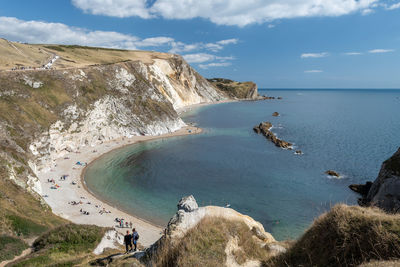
(350, 131)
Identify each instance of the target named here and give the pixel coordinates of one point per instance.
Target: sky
(275, 43)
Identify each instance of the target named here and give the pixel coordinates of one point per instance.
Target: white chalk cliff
(137, 99)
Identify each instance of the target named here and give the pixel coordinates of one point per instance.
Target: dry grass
(345, 236)
(16, 54)
(205, 245)
(71, 56)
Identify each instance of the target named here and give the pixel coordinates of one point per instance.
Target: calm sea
(349, 131)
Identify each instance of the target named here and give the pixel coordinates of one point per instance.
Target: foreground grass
(345, 236)
(205, 245)
(67, 245)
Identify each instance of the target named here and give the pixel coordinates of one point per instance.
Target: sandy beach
(62, 194)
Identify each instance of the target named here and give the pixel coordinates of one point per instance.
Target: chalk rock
(187, 204)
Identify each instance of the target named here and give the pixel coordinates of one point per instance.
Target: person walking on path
(135, 238)
(128, 242)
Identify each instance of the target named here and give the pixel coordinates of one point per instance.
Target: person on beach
(135, 238)
(128, 241)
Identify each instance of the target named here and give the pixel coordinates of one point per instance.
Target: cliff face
(46, 113)
(385, 190)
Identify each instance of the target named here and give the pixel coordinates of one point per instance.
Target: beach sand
(60, 199)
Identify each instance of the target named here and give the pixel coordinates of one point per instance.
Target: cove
(349, 131)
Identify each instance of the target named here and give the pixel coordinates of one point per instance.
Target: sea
(350, 131)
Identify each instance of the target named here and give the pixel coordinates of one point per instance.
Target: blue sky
(276, 43)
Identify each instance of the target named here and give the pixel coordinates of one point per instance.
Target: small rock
(332, 173)
(298, 152)
(275, 114)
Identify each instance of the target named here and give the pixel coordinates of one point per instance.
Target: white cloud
(313, 71)
(155, 41)
(393, 6)
(198, 58)
(379, 51)
(228, 41)
(114, 8)
(225, 12)
(221, 64)
(353, 53)
(367, 11)
(179, 47)
(314, 55)
(58, 33)
(214, 61)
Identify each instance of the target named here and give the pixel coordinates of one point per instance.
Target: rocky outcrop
(361, 189)
(384, 192)
(237, 90)
(275, 114)
(189, 215)
(264, 128)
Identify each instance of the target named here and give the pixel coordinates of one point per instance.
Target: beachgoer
(128, 241)
(135, 238)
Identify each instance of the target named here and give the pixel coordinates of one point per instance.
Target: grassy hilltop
(71, 56)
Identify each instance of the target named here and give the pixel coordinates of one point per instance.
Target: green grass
(66, 245)
(10, 247)
(54, 47)
(25, 227)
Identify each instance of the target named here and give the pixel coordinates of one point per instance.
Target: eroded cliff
(47, 113)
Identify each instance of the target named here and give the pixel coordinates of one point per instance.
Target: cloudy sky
(276, 43)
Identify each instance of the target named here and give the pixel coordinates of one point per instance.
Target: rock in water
(275, 114)
(264, 128)
(187, 204)
(385, 190)
(332, 173)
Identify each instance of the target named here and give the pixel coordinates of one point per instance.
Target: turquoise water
(350, 131)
